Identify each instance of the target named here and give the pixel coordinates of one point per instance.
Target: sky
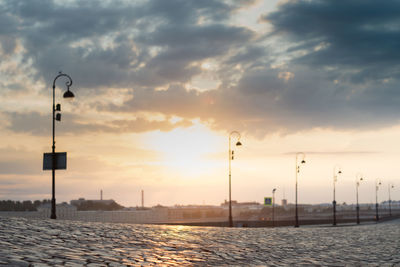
(159, 86)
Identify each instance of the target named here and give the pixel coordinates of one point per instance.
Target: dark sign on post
(60, 162)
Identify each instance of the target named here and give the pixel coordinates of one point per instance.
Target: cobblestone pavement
(45, 242)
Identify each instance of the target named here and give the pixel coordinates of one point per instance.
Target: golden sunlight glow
(189, 150)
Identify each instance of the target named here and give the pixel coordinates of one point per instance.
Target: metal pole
(54, 159)
(142, 199)
(273, 208)
(357, 207)
(334, 198)
(376, 202)
(297, 214)
(230, 174)
(53, 171)
(230, 195)
(390, 202)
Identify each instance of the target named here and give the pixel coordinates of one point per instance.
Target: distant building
(81, 201)
(284, 202)
(242, 207)
(248, 205)
(195, 212)
(96, 204)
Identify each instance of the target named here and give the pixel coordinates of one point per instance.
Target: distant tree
(26, 205)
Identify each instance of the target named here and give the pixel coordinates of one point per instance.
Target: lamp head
(238, 143)
(339, 172)
(303, 161)
(273, 190)
(68, 94)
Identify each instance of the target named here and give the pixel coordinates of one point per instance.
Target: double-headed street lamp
(359, 178)
(336, 172)
(377, 184)
(57, 117)
(231, 157)
(390, 186)
(273, 207)
(297, 171)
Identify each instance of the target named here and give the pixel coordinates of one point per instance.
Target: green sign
(268, 201)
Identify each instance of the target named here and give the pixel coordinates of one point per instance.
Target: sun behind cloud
(188, 151)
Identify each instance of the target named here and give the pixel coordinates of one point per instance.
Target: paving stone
(26, 242)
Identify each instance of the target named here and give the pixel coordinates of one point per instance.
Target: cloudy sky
(159, 86)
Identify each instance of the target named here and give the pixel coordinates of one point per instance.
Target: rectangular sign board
(60, 161)
(268, 201)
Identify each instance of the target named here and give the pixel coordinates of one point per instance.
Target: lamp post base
(296, 223)
(358, 214)
(53, 209)
(334, 212)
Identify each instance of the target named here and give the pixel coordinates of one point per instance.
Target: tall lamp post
(359, 178)
(57, 117)
(297, 171)
(377, 184)
(231, 157)
(390, 186)
(273, 207)
(336, 172)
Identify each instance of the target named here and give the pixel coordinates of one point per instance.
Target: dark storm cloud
(262, 103)
(249, 54)
(7, 32)
(358, 38)
(108, 43)
(340, 60)
(345, 77)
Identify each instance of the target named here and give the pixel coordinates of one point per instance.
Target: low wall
(240, 223)
(146, 216)
(161, 217)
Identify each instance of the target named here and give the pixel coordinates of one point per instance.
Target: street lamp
(359, 178)
(390, 200)
(57, 117)
(273, 207)
(336, 172)
(297, 171)
(231, 157)
(377, 184)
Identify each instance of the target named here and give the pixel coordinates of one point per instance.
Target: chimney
(142, 199)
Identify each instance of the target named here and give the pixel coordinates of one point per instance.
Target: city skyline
(160, 85)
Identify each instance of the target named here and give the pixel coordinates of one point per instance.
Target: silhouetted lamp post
(390, 186)
(297, 171)
(231, 157)
(57, 117)
(273, 207)
(336, 172)
(359, 178)
(377, 184)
